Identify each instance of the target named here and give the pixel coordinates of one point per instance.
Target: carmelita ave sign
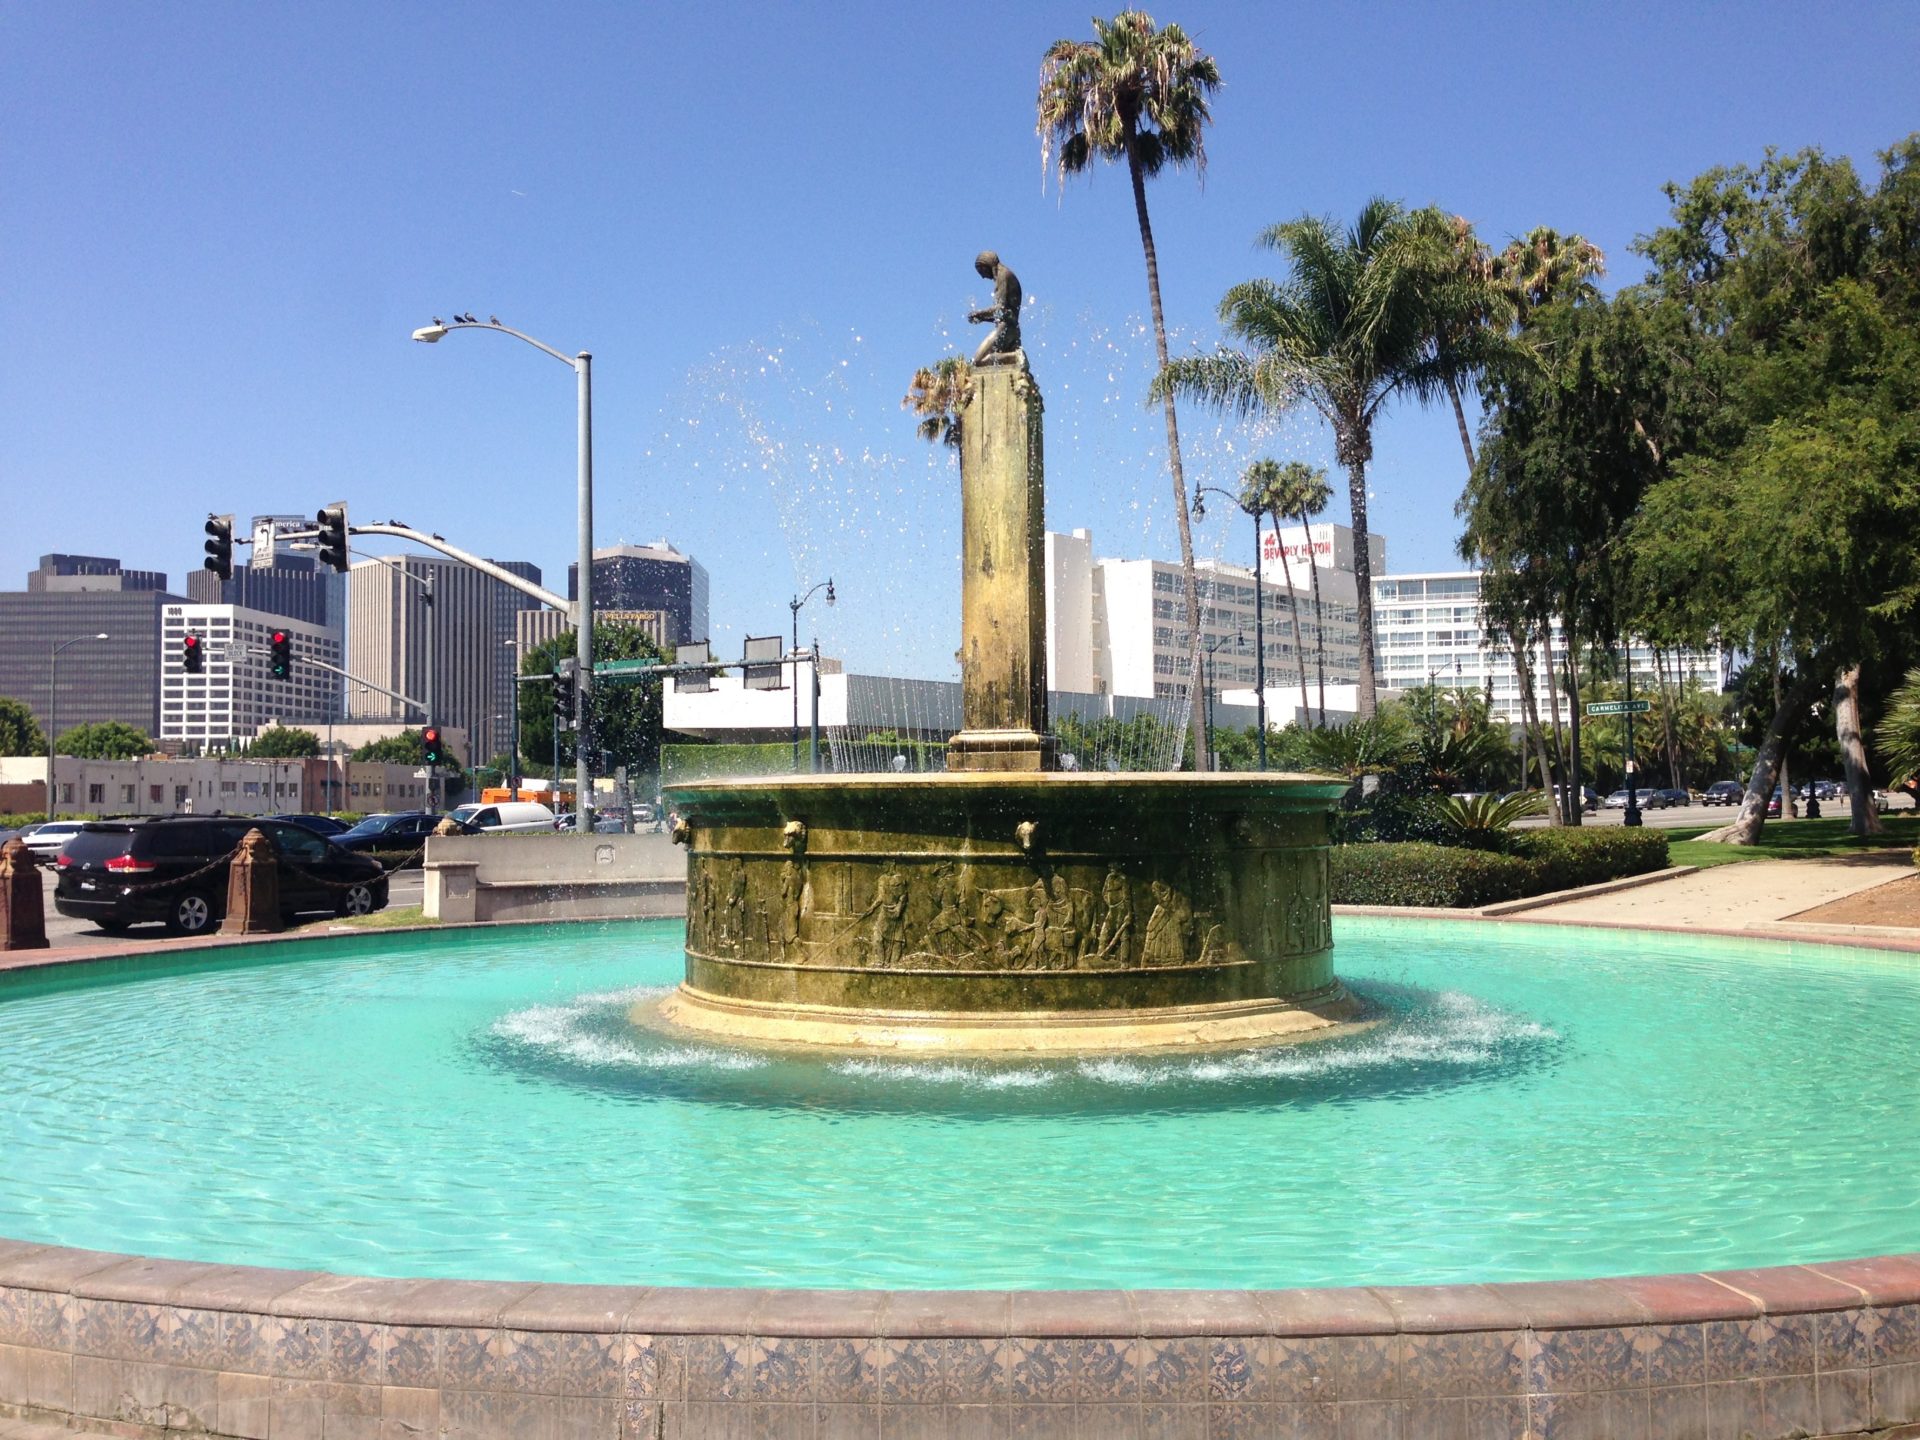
(1619, 707)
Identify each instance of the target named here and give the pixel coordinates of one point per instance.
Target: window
(126, 794)
(156, 793)
(96, 794)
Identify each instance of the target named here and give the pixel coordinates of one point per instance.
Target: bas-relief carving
(897, 915)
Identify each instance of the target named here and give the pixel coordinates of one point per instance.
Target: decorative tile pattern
(1467, 1363)
(911, 1371)
(1295, 1369)
(1172, 1369)
(1573, 1361)
(1363, 1367)
(846, 1371)
(974, 1371)
(1843, 1340)
(190, 1336)
(719, 1367)
(13, 1315)
(656, 1367)
(1896, 1336)
(357, 1352)
(1231, 1366)
(1674, 1354)
(297, 1348)
(1041, 1371)
(782, 1371)
(413, 1355)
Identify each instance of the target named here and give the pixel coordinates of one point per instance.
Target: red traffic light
(279, 637)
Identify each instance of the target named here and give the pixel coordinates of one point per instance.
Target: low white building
(154, 786)
(235, 695)
(1429, 628)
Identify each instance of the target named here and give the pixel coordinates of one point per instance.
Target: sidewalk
(1751, 895)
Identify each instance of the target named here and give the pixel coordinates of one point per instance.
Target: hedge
(1451, 878)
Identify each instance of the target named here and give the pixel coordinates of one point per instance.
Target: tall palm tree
(1543, 265)
(1264, 491)
(1350, 328)
(1138, 94)
(1307, 494)
(938, 395)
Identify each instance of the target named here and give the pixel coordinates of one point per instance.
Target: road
(403, 889)
(1709, 815)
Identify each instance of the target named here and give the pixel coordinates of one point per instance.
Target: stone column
(1003, 605)
(23, 917)
(253, 889)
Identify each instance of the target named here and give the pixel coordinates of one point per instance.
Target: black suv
(113, 872)
(397, 830)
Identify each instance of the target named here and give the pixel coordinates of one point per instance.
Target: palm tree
(938, 395)
(1307, 494)
(1264, 490)
(1543, 266)
(1137, 94)
(1350, 328)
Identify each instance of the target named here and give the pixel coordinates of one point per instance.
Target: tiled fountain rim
(1823, 1287)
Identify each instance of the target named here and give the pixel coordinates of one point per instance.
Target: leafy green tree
(626, 713)
(20, 733)
(1803, 286)
(409, 747)
(281, 742)
(1140, 95)
(1141, 742)
(938, 394)
(1898, 734)
(106, 740)
(1350, 328)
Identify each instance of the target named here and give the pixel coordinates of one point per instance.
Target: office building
(235, 695)
(454, 655)
(73, 596)
(278, 581)
(1119, 626)
(1429, 628)
(649, 577)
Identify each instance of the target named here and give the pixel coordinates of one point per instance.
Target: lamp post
(1239, 638)
(1259, 610)
(1632, 815)
(795, 605)
(513, 745)
(53, 706)
(582, 366)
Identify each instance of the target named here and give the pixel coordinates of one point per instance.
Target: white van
(506, 815)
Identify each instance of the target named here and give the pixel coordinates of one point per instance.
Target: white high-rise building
(1429, 628)
(235, 695)
(1118, 627)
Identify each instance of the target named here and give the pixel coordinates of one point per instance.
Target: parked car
(397, 830)
(113, 872)
(1724, 792)
(46, 838)
(1773, 803)
(505, 815)
(1618, 800)
(319, 824)
(1589, 797)
(1669, 797)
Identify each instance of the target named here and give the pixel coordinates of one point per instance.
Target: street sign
(1619, 707)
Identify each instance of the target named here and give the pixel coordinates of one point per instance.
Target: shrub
(1392, 815)
(1579, 856)
(1430, 875)
(1453, 878)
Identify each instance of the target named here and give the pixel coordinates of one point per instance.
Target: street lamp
(1239, 638)
(796, 604)
(53, 705)
(513, 750)
(1259, 610)
(582, 366)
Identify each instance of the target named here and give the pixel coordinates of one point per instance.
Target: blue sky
(220, 222)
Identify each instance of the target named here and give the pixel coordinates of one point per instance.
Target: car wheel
(357, 901)
(190, 914)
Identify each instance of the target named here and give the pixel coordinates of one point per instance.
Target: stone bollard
(253, 889)
(23, 917)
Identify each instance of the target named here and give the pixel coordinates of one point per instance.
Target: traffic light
(563, 699)
(220, 546)
(333, 535)
(282, 663)
(192, 658)
(430, 743)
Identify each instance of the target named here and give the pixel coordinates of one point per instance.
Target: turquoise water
(1539, 1104)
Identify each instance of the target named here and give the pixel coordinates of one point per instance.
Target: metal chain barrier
(280, 860)
(313, 879)
(206, 869)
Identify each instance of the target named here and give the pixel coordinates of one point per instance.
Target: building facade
(454, 652)
(1118, 627)
(235, 695)
(649, 577)
(1428, 628)
(76, 597)
(206, 786)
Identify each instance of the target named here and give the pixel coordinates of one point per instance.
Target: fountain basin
(981, 912)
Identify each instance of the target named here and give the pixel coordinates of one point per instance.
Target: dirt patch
(1895, 903)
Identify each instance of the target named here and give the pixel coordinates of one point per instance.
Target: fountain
(1006, 905)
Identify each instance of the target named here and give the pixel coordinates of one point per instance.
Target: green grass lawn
(389, 918)
(1792, 840)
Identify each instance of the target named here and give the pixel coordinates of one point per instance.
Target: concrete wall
(554, 877)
